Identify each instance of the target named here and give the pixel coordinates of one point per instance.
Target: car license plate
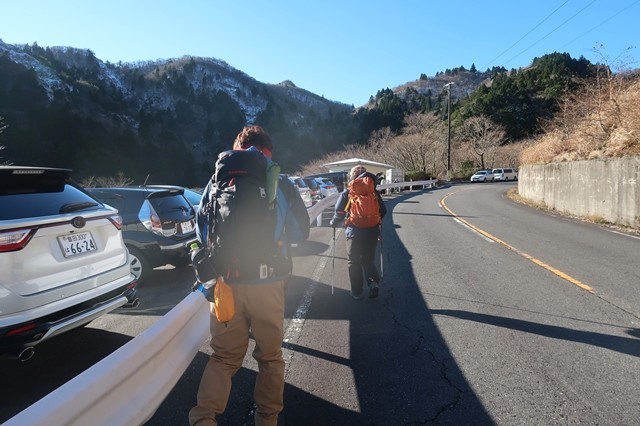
(74, 244)
(186, 227)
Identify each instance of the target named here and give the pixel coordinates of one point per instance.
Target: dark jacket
(340, 213)
(291, 226)
(293, 223)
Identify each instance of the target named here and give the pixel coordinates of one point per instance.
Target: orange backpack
(363, 207)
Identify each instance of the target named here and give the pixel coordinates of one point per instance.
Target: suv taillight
(15, 240)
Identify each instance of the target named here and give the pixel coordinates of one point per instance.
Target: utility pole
(448, 86)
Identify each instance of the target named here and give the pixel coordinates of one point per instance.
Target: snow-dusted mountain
(65, 107)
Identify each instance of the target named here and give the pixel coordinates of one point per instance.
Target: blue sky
(344, 50)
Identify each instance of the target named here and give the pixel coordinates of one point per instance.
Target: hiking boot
(358, 297)
(373, 291)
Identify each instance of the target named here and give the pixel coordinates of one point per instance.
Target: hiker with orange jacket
(362, 206)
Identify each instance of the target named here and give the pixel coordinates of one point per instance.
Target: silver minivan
(505, 174)
(63, 262)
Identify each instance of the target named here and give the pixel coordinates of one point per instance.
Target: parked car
(158, 224)
(503, 174)
(63, 262)
(339, 179)
(482, 176)
(314, 186)
(327, 187)
(192, 196)
(305, 192)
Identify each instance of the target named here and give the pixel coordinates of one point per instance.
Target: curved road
(490, 313)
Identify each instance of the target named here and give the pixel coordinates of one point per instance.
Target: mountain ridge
(197, 103)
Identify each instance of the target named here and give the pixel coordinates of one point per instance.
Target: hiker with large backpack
(361, 207)
(247, 219)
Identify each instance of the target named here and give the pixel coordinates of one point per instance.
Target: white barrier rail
(128, 386)
(419, 183)
(316, 210)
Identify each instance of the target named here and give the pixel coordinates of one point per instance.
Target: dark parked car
(158, 225)
(62, 259)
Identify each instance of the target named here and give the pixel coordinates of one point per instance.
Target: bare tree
(419, 146)
(106, 181)
(611, 71)
(380, 138)
(483, 138)
(350, 151)
(509, 155)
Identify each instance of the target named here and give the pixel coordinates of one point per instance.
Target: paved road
(490, 313)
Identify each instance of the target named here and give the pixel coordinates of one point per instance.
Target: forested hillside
(167, 120)
(490, 126)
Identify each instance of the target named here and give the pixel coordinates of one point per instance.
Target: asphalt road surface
(490, 312)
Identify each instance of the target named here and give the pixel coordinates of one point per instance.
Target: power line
(601, 24)
(550, 32)
(529, 32)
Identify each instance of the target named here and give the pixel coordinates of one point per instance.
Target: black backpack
(239, 219)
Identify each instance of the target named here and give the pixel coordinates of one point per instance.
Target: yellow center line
(538, 262)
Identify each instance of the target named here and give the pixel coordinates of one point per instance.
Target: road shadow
(308, 248)
(625, 345)
(175, 409)
(401, 366)
(54, 363)
(403, 370)
(162, 291)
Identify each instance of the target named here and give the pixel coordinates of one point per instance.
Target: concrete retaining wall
(606, 189)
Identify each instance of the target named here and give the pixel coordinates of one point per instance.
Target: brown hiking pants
(259, 309)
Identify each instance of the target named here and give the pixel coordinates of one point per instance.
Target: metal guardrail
(128, 386)
(316, 210)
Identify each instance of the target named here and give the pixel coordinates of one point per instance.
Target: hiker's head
(254, 136)
(356, 171)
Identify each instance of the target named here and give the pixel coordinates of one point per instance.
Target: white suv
(62, 259)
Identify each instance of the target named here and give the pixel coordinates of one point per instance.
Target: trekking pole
(333, 261)
(381, 256)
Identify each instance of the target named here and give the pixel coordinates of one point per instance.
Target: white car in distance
(482, 176)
